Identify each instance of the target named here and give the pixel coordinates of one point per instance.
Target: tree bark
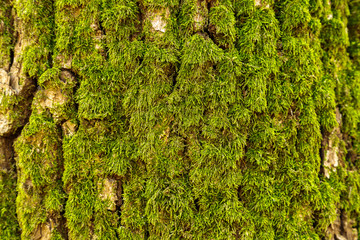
(179, 119)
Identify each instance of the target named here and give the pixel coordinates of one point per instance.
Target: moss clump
(37, 25)
(9, 227)
(6, 38)
(193, 119)
(40, 197)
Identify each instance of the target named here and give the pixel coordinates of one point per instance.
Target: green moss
(39, 152)
(97, 95)
(40, 196)
(258, 52)
(6, 38)
(216, 126)
(223, 20)
(38, 23)
(9, 227)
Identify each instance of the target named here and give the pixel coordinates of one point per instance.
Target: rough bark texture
(179, 119)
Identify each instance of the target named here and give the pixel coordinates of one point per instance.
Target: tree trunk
(179, 119)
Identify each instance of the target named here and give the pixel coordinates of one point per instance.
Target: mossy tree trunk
(179, 119)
